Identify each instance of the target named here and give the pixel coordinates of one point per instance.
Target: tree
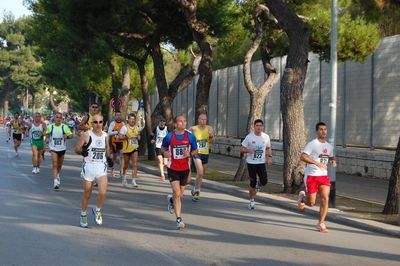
(392, 200)
(257, 95)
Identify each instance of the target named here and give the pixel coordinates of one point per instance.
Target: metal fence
(368, 99)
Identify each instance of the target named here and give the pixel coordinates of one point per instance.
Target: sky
(15, 6)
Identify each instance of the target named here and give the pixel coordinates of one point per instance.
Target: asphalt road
(40, 225)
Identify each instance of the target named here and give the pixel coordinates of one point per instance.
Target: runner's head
(118, 116)
(97, 123)
(131, 119)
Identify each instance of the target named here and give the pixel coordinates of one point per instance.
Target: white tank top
(96, 147)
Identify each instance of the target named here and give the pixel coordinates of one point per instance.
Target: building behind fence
(368, 101)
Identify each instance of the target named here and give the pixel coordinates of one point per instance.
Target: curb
(334, 214)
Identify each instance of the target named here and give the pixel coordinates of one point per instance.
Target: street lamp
(332, 105)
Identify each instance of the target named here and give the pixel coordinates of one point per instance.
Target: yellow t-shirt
(17, 129)
(203, 140)
(133, 143)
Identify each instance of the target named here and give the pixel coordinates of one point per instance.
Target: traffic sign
(112, 103)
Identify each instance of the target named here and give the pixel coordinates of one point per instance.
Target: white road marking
(68, 203)
(29, 179)
(14, 165)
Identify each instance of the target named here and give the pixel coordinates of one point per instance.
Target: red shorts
(313, 183)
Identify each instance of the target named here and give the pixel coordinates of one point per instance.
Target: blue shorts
(202, 157)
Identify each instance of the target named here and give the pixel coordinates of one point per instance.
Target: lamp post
(332, 105)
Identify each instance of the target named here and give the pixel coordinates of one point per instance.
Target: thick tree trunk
(53, 106)
(7, 99)
(292, 86)
(392, 200)
(125, 91)
(200, 31)
(257, 95)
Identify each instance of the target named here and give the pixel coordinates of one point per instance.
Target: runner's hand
(84, 152)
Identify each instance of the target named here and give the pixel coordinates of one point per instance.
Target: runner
(205, 136)
(257, 145)
(8, 127)
(17, 129)
(86, 123)
(159, 133)
(56, 136)
(36, 131)
(93, 145)
(178, 146)
(116, 142)
(317, 154)
(130, 148)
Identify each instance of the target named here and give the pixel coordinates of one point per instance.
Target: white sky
(15, 6)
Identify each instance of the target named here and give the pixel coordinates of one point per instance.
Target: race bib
(97, 154)
(178, 151)
(258, 153)
(133, 142)
(202, 145)
(323, 158)
(58, 142)
(159, 140)
(15, 130)
(36, 135)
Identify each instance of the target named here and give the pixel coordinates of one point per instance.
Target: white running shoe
(97, 216)
(58, 180)
(84, 222)
(133, 184)
(170, 204)
(37, 169)
(16, 155)
(300, 201)
(124, 182)
(34, 171)
(179, 224)
(56, 185)
(252, 204)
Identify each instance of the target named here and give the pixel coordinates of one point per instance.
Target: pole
(332, 105)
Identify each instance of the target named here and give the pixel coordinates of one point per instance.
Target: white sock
(83, 213)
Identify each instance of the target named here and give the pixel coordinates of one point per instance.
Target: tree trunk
(114, 92)
(53, 106)
(257, 95)
(392, 200)
(292, 86)
(7, 99)
(125, 91)
(199, 31)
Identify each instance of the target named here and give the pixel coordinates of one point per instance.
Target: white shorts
(92, 171)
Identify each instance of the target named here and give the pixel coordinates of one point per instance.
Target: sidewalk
(361, 188)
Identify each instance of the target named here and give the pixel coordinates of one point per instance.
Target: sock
(98, 209)
(83, 213)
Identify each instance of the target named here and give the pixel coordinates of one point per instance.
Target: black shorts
(159, 152)
(129, 154)
(59, 153)
(181, 176)
(116, 147)
(17, 136)
(257, 170)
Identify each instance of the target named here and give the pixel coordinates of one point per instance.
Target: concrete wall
(361, 162)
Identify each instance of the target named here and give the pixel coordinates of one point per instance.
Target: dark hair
(131, 114)
(258, 121)
(319, 124)
(16, 113)
(117, 112)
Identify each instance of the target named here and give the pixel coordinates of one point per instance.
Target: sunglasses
(95, 107)
(98, 122)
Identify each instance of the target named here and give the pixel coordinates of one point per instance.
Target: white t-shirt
(160, 135)
(260, 143)
(319, 152)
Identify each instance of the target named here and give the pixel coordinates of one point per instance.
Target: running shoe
(257, 188)
(133, 184)
(97, 216)
(56, 185)
(43, 157)
(37, 169)
(179, 224)
(58, 180)
(170, 204)
(84, 222)
(124, 182)
(322, 228)
(252, 204)
(121, 175)
(194, 195)
(34, 170)
(300, 201)
(16, 155)
(112, 172)
(7, 141)
(95, 183)
(197, 195)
